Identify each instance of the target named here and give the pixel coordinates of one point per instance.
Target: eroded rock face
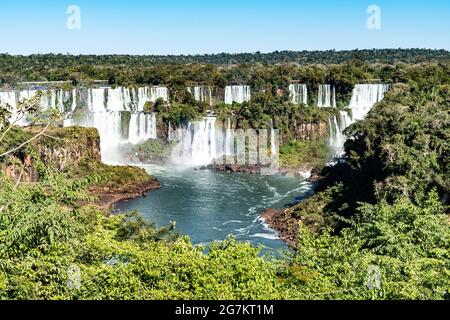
(66, 148)
(306, 131)
(60, 148)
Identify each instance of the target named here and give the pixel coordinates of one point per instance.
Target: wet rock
(316, 175)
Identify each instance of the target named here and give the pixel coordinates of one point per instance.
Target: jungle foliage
(384, 231)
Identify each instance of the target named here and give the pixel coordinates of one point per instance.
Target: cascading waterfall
(229, 140)
(169, 133)
(9, 98)
(159, 92)
(364, 97)
(198, 144)
(74, 100)
(106, 109)
(142, 127)
(112, 106)
(151, 94)
(273, 144)
(96, 100)
(51, 98)
(237, 94)
(118, 99)
(299, 93)
(201, 93)
(337, 138)
(326, 97)
(108, 124)
(124, 99)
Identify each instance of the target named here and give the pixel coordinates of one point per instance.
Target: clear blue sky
(200, 26)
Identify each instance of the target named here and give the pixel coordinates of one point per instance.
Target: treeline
(133, 71)
(129, 70)
(389, 56)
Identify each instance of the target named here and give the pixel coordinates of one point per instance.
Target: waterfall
(299, 93)
(74, 100)
(229, 140)
(117, 113)
(169, 133)
(198, 144)
(364, 97)
(108, 124)
(96, 100)
(273, 144)
(159, 92)
(124, 99)
(141, 127)
(237, 94)
(50, 99)
(326, 97)
(9, 98)
(118, 99)
(27, 94)
(200, 93)
(337, 138)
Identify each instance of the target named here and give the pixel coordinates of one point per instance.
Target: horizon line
(225, 53)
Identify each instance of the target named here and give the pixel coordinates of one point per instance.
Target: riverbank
(107, 198)
(284, 224)
(115, 183)
(308, 212)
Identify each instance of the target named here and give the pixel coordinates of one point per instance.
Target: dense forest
(220, 70)
(377, 228)
(389, 56)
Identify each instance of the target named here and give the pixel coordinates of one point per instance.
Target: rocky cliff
(75, 151)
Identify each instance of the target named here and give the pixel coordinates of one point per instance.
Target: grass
(299, 153)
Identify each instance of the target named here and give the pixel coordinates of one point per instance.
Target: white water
(299, 93)
(142, 127)
(201, 93)
(237, 94)
(106, 107)
(202, 143)
(8, 98)
(326, 97)
(108, 126)
(197, 145)
(364, 97)
(124, 99)
(151, 94)
(229, 140)
(169, 133)
(337, 138)
(273, 146)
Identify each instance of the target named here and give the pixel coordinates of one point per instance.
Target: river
(209, 206)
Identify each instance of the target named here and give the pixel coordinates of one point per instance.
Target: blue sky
(199, 26)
